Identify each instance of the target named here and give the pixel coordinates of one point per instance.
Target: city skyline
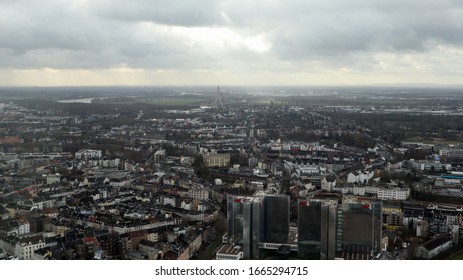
(353, 174)
(94, 43)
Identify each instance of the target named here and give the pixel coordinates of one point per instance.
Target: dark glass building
(317, 228)
(276, 218)
(234, 219)
(253, 221)
(253, 227)
(359, 226)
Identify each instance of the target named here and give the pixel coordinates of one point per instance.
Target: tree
(198, 162)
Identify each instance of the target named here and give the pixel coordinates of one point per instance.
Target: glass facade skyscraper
(360, 226)
(276, 218)
(317, 228)
(252, 221)
(326, 226)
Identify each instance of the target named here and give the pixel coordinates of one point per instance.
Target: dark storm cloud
(67, 36)
(154, 34)
(304, 29)
(27, 25)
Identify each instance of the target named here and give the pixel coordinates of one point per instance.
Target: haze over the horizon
(230, 42)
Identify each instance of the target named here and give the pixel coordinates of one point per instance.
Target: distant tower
(218, 98)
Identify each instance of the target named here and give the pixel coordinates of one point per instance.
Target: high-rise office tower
(235, 219)
(246, 223)
(253, 221)
(276, 218)
(253, 227)
(317, 228)
(359, 226)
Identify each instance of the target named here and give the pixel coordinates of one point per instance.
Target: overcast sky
(230, 42)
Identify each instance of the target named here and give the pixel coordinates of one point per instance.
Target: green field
(175, 101)
(438, 141)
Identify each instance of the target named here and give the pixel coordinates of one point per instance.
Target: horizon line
(236, 85)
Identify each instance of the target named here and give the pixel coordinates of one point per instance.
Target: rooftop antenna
(218, 98)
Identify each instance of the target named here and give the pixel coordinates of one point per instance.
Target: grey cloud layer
(108, 33)
(182, 13)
